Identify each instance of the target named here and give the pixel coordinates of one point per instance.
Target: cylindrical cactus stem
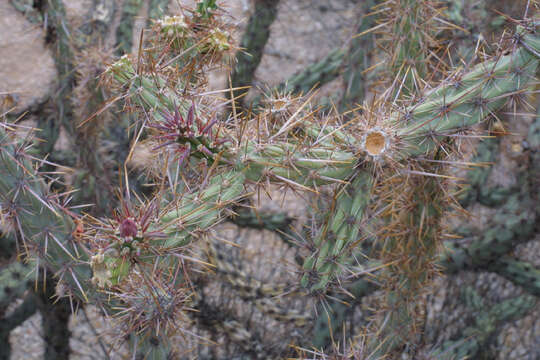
(512, 224)
(295, 165)
(124, 33)
(318, 74)
(475, 189)
(340, 231)
(465, 99)
(410, 251)
(197, 212)
(139, 232)
(14, 280)
(519, 272)
(45, 228)
(151, 309)
(411, 37)
(409, 244)
(462, 100)
(487, 322)
(152, 347)
(253, 42)
(357, 59)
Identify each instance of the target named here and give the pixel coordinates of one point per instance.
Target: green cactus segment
(205, 8)
(332, 318)
(410, 48)
(151, 93)
(356, 61)
(340, 231)
(198, 212)
(512, 224)
(409, 247)
(487, 321)
(124, 33)
(153, 347)
(476, 190)
(466, 100)
(254, 41)
(63, 52)
(29, 11)
(318, 74)
(519, 272)
(290, 163)
(44, 227)
(14, 280)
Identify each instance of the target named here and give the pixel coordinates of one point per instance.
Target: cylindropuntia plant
(385, 165)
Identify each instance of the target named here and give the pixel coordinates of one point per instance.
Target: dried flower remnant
(375, 142)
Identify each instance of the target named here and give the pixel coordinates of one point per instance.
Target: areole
(375, 142)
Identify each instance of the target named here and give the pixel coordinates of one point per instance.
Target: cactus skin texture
(341, 229)
(466, 100)
(409, 39)
(44, 227)
(476, 178)
(14, 281)
(487, 321)
(317, 74)
(513, 223)
(519, 272)
(48, 230)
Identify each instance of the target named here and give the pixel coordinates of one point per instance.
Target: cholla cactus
(140, 264)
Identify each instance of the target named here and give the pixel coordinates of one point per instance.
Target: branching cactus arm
(45, 227)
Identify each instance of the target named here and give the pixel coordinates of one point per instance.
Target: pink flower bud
(128, 227)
